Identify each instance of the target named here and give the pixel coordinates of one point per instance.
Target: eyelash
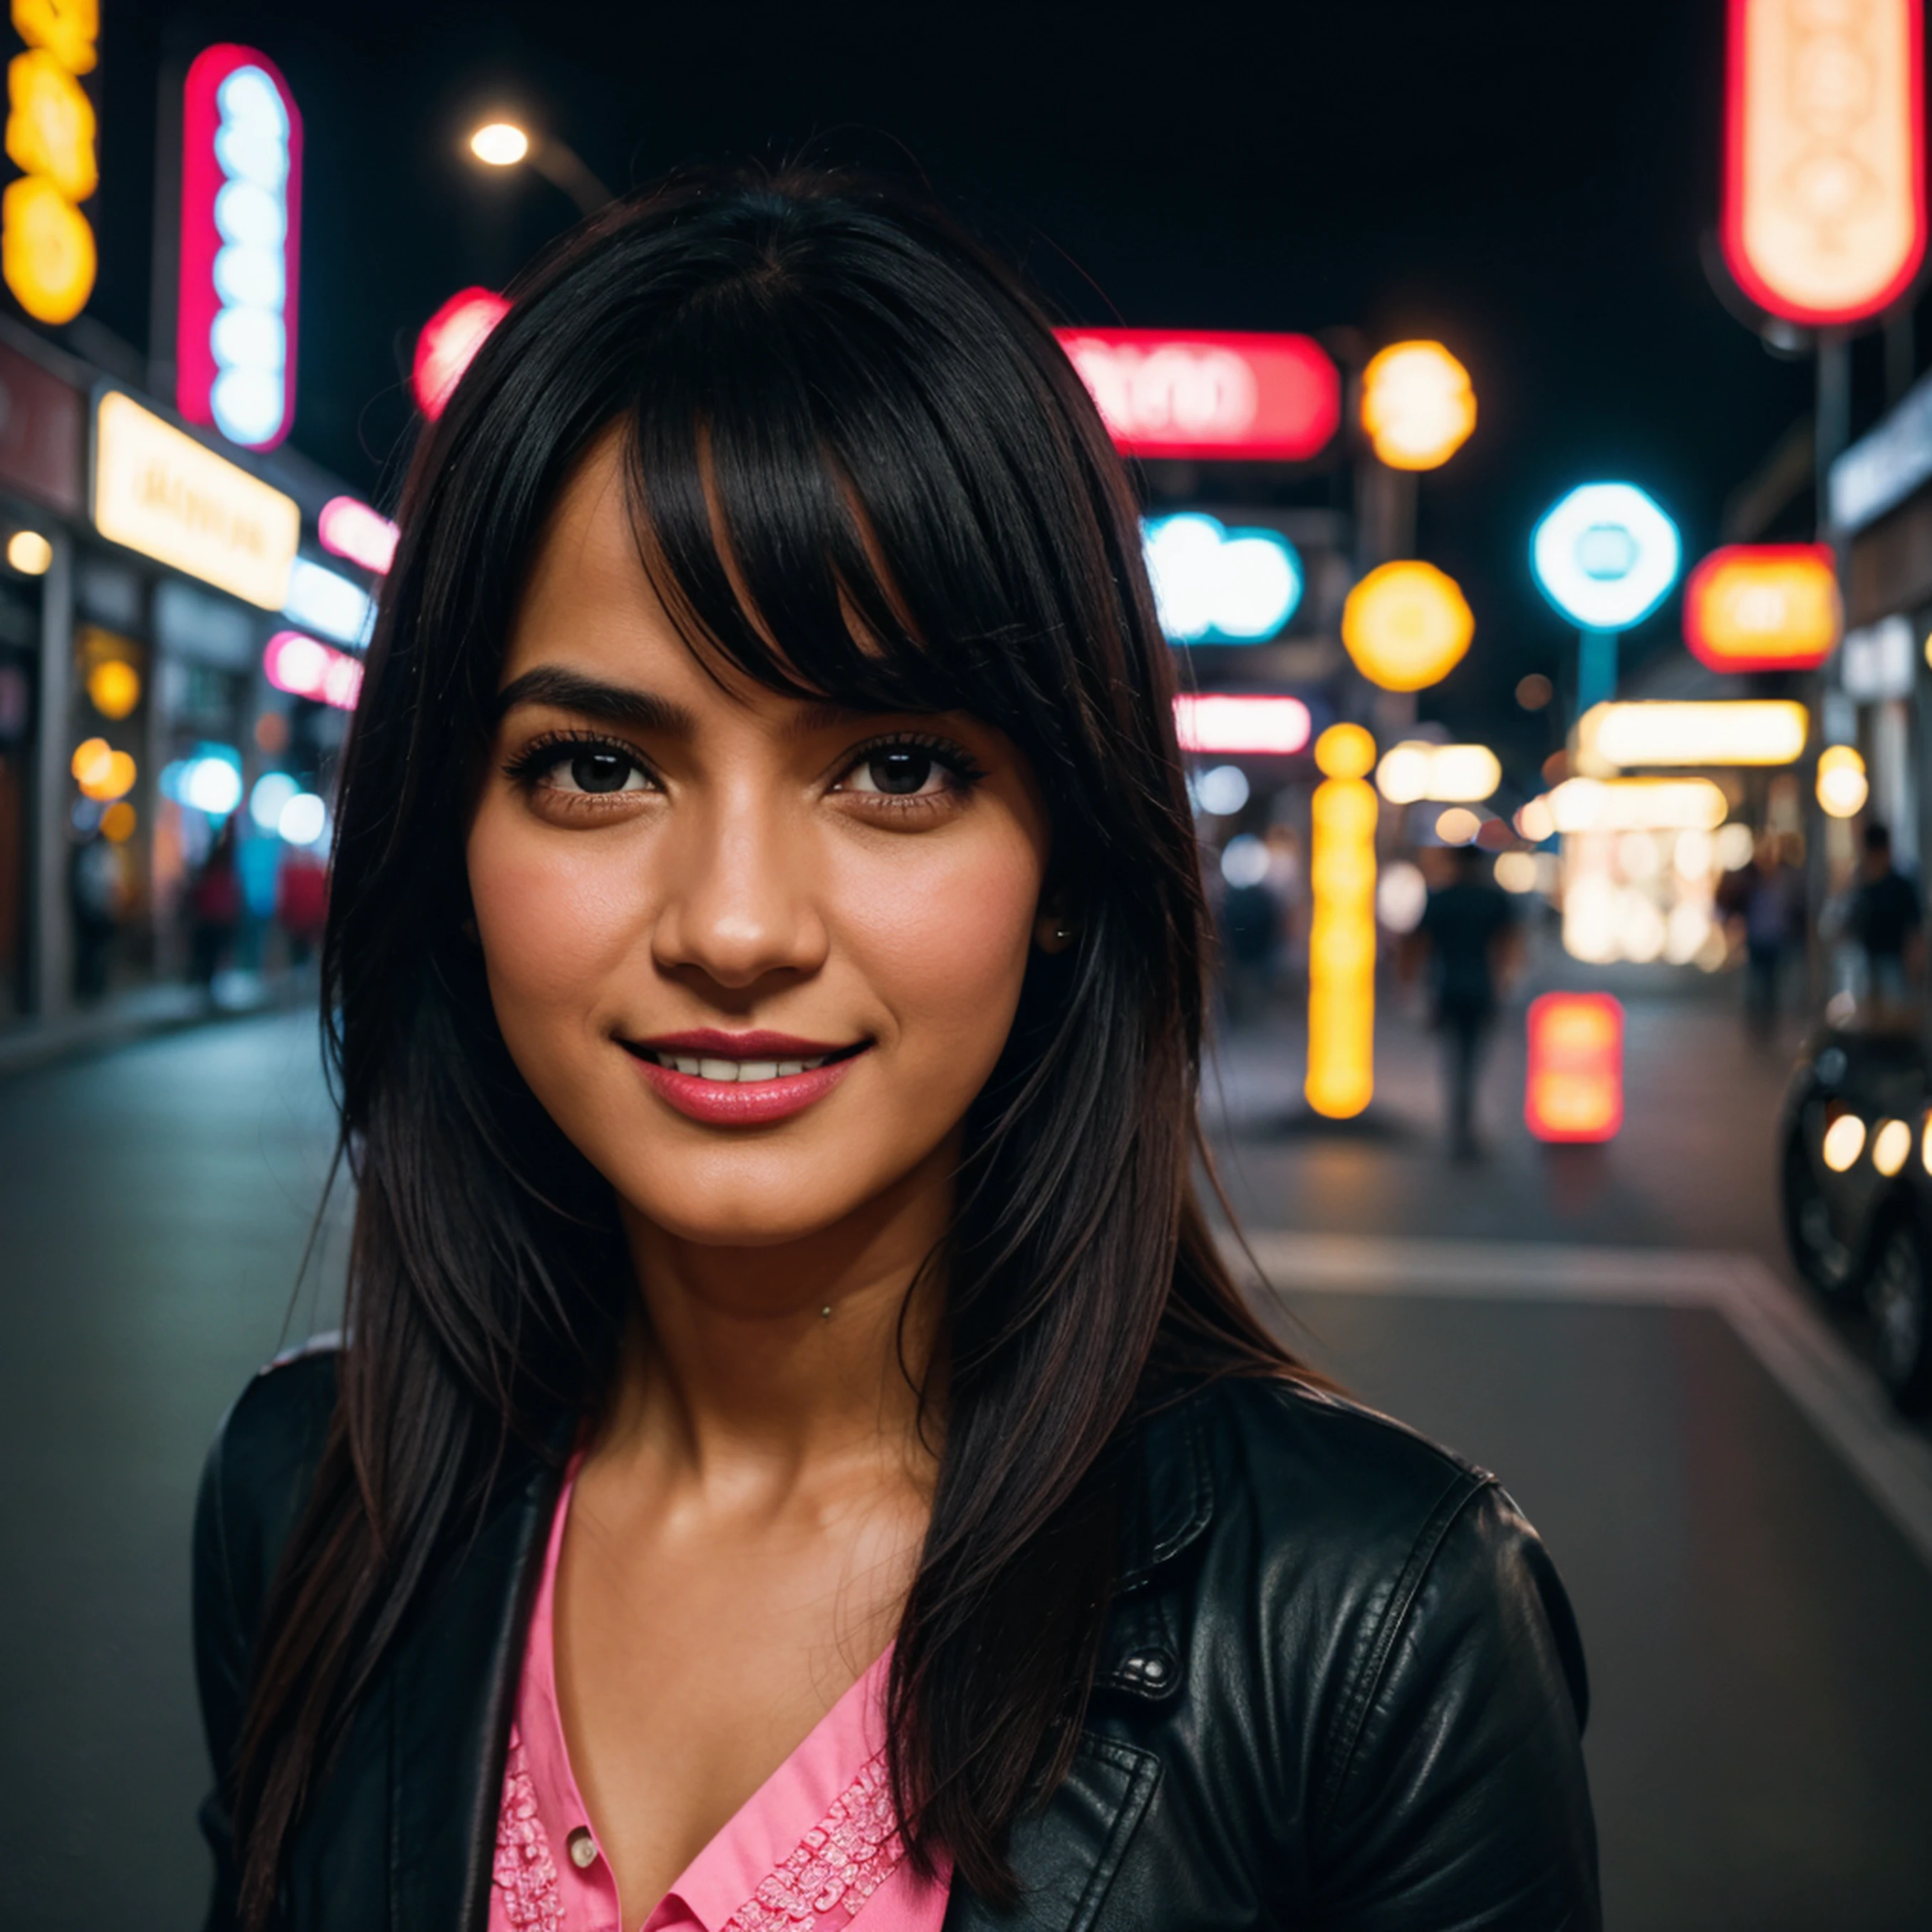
(544, 754)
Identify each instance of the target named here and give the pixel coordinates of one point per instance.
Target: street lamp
(503, 144)
(1605, 556)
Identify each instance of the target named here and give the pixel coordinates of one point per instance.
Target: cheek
(554, 916)
(942, 942)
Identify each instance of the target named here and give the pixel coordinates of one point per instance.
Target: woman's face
(755, 956)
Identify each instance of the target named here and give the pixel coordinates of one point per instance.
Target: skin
(745, 1529)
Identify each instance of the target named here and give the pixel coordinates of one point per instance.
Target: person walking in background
(215, 908)
(1885, 921)
(301, 901)
(1763, 906)
(1468, 935)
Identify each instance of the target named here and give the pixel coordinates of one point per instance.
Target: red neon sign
(241, 228)
(305, 666)
(1763, 607)
(1269, 398)
(1824, 219)
(449, 341)
(1229, 721)
(1574, 1090)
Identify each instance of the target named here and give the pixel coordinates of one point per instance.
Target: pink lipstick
(741, 1079)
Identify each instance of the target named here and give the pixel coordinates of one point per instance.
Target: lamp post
(1605, 556)
(504, 144)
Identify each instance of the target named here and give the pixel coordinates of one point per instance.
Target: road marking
(1838, 1394)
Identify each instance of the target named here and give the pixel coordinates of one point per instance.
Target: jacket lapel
(455, 1681)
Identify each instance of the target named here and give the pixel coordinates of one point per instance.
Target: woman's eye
(597, 770)
(899, 771)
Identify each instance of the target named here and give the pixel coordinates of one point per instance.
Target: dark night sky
(1528, 181)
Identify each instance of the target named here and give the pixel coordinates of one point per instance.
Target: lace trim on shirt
(836, 1867)
(523, 1871)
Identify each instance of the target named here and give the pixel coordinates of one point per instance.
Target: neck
(792, 1355)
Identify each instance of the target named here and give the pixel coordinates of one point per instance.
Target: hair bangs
(816, 561)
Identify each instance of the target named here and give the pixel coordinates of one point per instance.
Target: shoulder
(263, 1464)
(1334, 1516)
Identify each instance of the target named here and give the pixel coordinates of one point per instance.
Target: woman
(799, 1455)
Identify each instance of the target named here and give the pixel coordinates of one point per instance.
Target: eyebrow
(614, 704)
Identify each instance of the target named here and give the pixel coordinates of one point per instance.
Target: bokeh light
(1418, 405)
(1406, 625)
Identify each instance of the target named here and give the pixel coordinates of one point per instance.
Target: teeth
(738, 1069)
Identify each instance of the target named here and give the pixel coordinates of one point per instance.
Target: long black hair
(865, 409)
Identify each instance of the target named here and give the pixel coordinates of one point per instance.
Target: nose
(739, 900)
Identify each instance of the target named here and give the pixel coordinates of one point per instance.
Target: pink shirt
(815, 1846)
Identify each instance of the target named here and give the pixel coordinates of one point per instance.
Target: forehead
(588, 601)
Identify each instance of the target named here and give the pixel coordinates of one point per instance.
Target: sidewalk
(124, 1017)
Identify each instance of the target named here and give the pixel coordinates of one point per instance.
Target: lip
(739, 1103)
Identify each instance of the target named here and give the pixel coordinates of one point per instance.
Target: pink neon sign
(1271, 398)
(1233, 721)
(241, 225)
(305, 666)
(349, 528)
(449, 341)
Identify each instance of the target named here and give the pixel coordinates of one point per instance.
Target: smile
(740, 1079)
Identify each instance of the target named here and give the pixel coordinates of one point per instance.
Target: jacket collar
(1172, 1492)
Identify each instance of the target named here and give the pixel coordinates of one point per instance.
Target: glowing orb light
(1406, 625)
(1843, 787)
(1606, 556)
(1418, 405)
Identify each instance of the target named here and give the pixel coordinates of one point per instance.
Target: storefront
(148, 760)
(1877, 693)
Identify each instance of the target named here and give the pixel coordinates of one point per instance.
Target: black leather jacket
(1341, 1687)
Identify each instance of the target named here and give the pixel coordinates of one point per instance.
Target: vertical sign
(234, 344)
(1824, 156)
(1341, 1076)
(47, 253)
(1574, 1090)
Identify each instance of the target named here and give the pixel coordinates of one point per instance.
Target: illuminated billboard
(1763, 607)
(1824, 219)
(240, 210)
(1266, 398)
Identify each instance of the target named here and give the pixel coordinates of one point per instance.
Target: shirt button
(582, 1849)
(1154, 1668)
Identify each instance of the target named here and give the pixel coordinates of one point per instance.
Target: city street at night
(966, 970)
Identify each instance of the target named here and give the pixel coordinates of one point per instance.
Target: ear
(1054, 931)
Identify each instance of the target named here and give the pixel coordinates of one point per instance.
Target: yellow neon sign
(47, 253)
(159, 491)
(1341, 935)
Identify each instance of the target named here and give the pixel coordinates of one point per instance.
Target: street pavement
(1611, 1330)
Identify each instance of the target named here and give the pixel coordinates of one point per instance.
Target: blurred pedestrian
(1885, 921)
(301, 901)
(1763, 907)
(1467, 936)
(96, 888)
(215, 908)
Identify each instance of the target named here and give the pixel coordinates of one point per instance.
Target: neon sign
(1269, 398)
(1824, 156)
(1341, 1076)
(47, 252)
(158, 490)
(1763, 607)
(1406, 625)
(305, 666)
(448, 344)
(1214, 586)
(1606, 556)
(235, 342)
(348, 528)
(1574, 1088)
(1213, 721)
